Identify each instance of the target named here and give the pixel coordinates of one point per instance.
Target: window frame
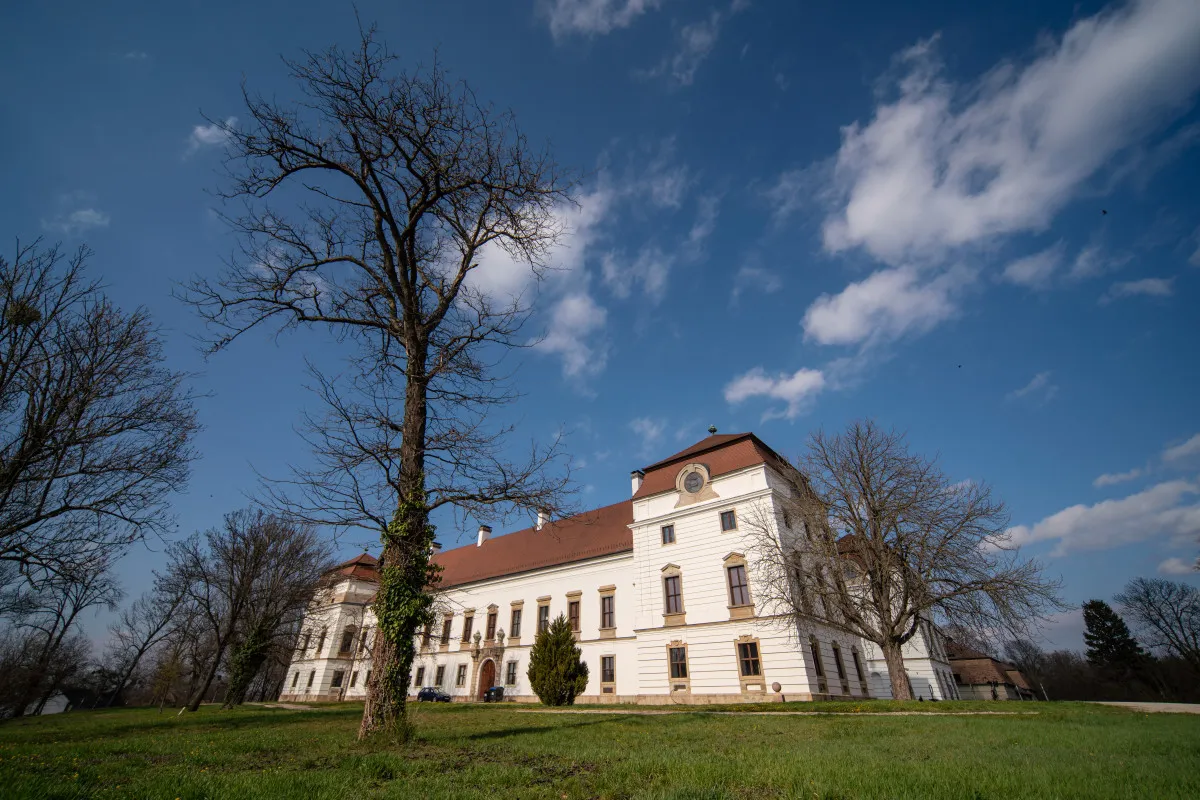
(739, 593)
(732, 516)
(353, 679)
(514, 620)
(460, 676)
(339, 677)
(510, 673)
(468, 624)
(296, 679)
(608, 669)
(608, 611)
(573, 615)
(347, 646)
(447, 630)
(677, 669)
(543, 620)
(439, 676)
(419, 678)
(491, 624)
(672, 594)
(312, 673)
(667, 532)
(749, 656)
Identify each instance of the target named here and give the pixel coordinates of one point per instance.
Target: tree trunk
(210, 676)
(247, 661)
(897, 674)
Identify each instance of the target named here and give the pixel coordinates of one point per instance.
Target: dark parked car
(494, 695)
(432, 695)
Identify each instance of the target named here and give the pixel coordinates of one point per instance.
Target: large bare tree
(95, 432)
(365, 209)
(142, 626)
(1167, 615)
(874, 540)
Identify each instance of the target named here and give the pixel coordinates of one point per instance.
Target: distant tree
(873, 540)
(556, 672)
(95, 432)
(368, 209)
(145, 623)
(1167, 614)
(1110, 645)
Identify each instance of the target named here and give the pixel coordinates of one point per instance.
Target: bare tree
(876, 540)
(238, 581)
(407, 185)
(1167, 614)
(148, 621)
(95, 432)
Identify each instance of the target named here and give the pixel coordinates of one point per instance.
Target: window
(420, 676)
(678, 660)
(858, 666)
(295, 679)
(728, 520)
(514, 628)
(320, 643)
(491, 626)
(307, 641)
(367, 679)
(748, 661)
(362, 640)
(440, 677)
(608, 669)
(573, 614)
(608, 614)
(338, 676)
(311, 675)
(510, 674)
(673, 594)
(353, 679)
(787, 519)
(668, 534)
(543, 618)
(815, 647)
(460, 679)
(841, 667)
(739, 590)
(446, 623)
(426, 633)
(467, 623)
(347, 642)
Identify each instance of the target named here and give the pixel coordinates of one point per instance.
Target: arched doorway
(487, 677)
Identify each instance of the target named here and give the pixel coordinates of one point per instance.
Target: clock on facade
(693, 482)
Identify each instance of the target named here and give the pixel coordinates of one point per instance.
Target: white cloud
(1092, 262)
(702, 228)
(942, 165)
(214, 135)
(696, 41)
(73, 223)
(592, 17)
(1177, 566)
(1165, 509)
(756, 279)
(576, 324)
(1146, 287)
(1113, 478)
(1183, 451)
(1035, 271)
(796, 390)
(650, 268)
(651, 430)
(1039, 387)
(886, 304)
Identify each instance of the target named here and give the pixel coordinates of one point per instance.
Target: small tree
(1110, 645)
(556, 672)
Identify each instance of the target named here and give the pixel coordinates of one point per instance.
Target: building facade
(661, 590)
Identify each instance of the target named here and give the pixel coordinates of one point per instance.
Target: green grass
(494, 752)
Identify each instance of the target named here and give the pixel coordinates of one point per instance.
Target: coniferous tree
(556, 672)
(1110, 645)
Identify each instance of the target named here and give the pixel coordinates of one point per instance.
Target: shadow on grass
(506, 733)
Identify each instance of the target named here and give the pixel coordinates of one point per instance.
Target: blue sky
(975, 222)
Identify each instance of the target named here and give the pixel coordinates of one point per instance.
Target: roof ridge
(721, 439)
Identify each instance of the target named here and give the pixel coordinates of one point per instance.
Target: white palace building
(660, 588)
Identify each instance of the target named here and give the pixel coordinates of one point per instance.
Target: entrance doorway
(487, 677)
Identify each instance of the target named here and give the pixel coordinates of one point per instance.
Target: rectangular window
(307, 641)
(673, 594)
(858, 666)
(739, 591)
(837, 660)
(608, 614)
(815, 647)
(362, 640)
(367, 679)
(573, 615)
(420, 676)
(510, 674)
(440, 677)
(353, 679)
(668, 534)
(728, 520)
(295, 679)
(543, 618)
(426, 633)
(347, 642)
(446, 624)
(460, 679)
(320, 644)
(608, 669)
(678, 659)
(491, 626)
(514, 628)
(748, 661)
(311, 675)
(338, 676)
(467, 623)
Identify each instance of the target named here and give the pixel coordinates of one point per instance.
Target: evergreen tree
(1110, 646)
(556, 672)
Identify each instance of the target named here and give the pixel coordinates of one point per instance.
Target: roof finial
(712, 430)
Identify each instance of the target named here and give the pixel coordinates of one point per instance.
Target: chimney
(485, 532)
(541, 518)
(637, 476)
(436, 548)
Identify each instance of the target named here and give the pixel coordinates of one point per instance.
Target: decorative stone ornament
(694, 485)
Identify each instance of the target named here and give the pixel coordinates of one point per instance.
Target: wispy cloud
(796, 390)
(1146, 287)
(1035, 271)
(753, 278)
(1182, 452)
(1113, 478)
(592, 17)
(1040, 388)
(1177, 566)
(574, 334)
(694, 42)
(215, 134)
(136, 55)
(76, 214)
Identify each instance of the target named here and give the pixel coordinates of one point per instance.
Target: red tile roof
(971, 667)
(720, 453)
(362, 567)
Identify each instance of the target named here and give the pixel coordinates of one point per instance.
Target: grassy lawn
(1066, 750)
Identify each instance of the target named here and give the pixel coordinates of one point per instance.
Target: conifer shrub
(556, 673)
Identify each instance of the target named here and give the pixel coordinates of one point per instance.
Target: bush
(556, 673)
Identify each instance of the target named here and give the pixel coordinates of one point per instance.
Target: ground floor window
(295, 679)
(311, 675)
(608, 669)
(439, 677)
(678, 660)
(353, 679)
(461, 678)
(420, 677)
(815, 647)
(748, 660)
(510, 674)
(338, 676)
